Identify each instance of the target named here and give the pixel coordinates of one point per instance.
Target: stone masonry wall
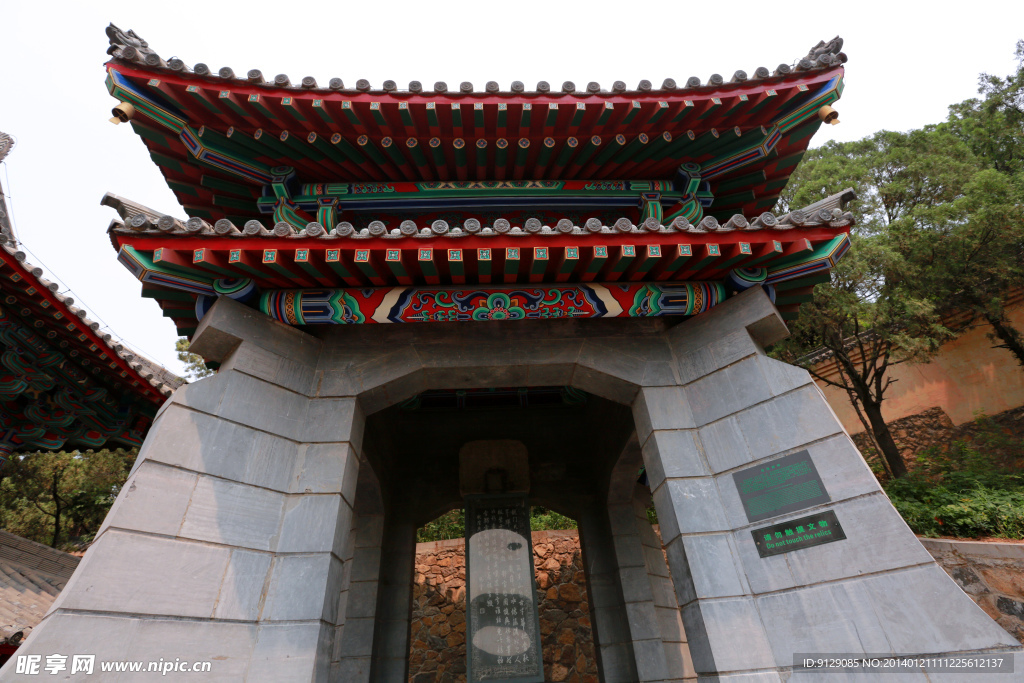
(991, 573)
(933, 427)
(437, 653)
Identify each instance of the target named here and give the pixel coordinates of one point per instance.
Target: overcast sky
(908, 62)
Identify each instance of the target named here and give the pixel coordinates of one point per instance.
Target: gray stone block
(164, 576)
(233, 514)
(369, 531)
(324, 468)
(727, 391)
(869, 522)
(636, 585)
(617, 663)
(629, 552)
(365, 564)
(362, 602)
(643, 622)
(682, 580)
(264, 406)
(604, 385)
(611, 625)
(242, 586)
(789, 421)
(724, 445)
(729, 622)
(108, 637)
(672, 453)
(622, 519)
(290, 652)
(663, 591)
(782, 377)
(712, 563)
(297, 588)
(655, 561)
(812, 620)
(310, 523)
(695, 363)
(670, 623)
(358, 638)
(650, 660)
(332, 420)
(207, 444)
(352, 670)
(153, 500)
(932, 614)
(205, 395)
(696, 506)
(677, 660)
(658, 408)
(286, 372)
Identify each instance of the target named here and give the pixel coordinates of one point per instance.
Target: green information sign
(779, 487)
(798, 534)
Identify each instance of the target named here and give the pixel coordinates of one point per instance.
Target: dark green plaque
(503, 628)
(798, 534)
(779, 487)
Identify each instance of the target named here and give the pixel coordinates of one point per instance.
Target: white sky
(908, 61)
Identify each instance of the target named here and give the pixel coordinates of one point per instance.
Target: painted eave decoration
(377, 276)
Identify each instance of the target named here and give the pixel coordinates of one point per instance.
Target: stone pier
(267, 526)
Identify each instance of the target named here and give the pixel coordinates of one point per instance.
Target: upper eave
(129, 49)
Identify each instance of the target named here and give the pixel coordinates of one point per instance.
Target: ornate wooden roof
(238, 147)
(340, 205)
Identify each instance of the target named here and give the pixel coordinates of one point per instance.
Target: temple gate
(610, 246)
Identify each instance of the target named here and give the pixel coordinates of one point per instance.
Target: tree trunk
(1010, 337)
(56, 511)
(884, 439)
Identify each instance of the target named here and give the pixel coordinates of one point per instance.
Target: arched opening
(571, 439)
(438, 626)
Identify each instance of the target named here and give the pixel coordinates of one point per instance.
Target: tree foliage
(195, 367)
(938, 246)
(60, 498)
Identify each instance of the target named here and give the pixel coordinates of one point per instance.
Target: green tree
(968, 254)
(60, 498)
(195, 368)
(993, 125)
(862, 323)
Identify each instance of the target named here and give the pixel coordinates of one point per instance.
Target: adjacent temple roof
(63, 381)
(32, 575)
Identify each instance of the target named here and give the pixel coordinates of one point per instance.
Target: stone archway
(232, 541)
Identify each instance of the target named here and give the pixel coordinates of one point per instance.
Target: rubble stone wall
(991, 573)
(437, 652)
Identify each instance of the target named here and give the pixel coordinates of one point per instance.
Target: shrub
(968, 489)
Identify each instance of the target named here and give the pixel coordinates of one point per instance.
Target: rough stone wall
(437, 653)
(991, 573)
(933, 427)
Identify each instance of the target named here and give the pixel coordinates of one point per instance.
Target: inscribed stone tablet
(503, 628)
(779, 487)
(798, 534)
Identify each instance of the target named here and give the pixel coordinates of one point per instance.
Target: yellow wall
(967, 377)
